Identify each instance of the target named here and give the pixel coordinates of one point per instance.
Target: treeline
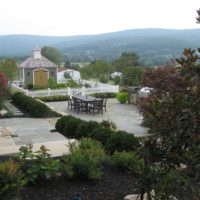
(127, 64)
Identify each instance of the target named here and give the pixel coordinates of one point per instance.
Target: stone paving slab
(7, 146)
(32, 131)
(41, 137)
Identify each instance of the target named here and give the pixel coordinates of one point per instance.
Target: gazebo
(37, 69)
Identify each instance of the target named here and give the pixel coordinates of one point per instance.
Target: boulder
(7, 131)
(3, 112)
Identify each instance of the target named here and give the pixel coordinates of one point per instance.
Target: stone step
(16, 112)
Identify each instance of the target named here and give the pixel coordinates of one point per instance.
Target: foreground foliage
(84, 160)
(172, 114)
(38, 165)
(11, 179)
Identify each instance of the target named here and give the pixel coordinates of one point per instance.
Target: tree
(172, 116)
(198, 18)
(97, 69)
(126, 60)
(132, 76)
(52, 54)
(67, 75)
(162, 78)
(3, 85)
(67, 64)
(9, 68)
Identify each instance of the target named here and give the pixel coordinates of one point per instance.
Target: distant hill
(154, 46)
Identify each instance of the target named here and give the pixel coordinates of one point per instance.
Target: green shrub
(84, 160)
(52, 83)
(124, 89)
(38, 165)
(11, 180)
(127, 161)
(122, 97)
(30, 86)
(72, 84)
(85, 128)
(104, 95)
(39, 87)
(60, 86)
(121, 141)
(70, 127)
(101, 134)
(53, 98)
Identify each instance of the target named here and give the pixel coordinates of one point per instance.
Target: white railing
(68, 91)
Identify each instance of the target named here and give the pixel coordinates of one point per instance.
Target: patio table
(87, 100)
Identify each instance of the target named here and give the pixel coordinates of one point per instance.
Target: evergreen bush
(121, 141)
(60, 124)
(70, 127)
(85, 128)
(101, 134)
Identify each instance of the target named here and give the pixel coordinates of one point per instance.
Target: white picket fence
(100, 88)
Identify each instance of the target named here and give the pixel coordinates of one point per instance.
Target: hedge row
(104, 95)
(72, 127)
(32, 106)
(65, 98)
(53, 98)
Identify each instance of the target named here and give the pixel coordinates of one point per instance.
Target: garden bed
(113, 185)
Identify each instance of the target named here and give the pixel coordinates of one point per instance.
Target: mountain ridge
(152, 45)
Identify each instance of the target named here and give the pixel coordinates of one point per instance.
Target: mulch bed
(113, 185)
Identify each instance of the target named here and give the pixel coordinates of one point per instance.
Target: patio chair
(79, 106)
(104, 103)
(96, 105)
(71, 104)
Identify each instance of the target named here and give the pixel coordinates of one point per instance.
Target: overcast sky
(78, 17)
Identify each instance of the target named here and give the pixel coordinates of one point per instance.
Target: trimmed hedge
(60, 124)
(101, 134)
(113, 141)
(53, 98)
(85, 128)
(70, 127)
(33, 107)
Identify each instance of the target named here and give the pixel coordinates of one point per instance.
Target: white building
(73, 74)
(115, 74)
